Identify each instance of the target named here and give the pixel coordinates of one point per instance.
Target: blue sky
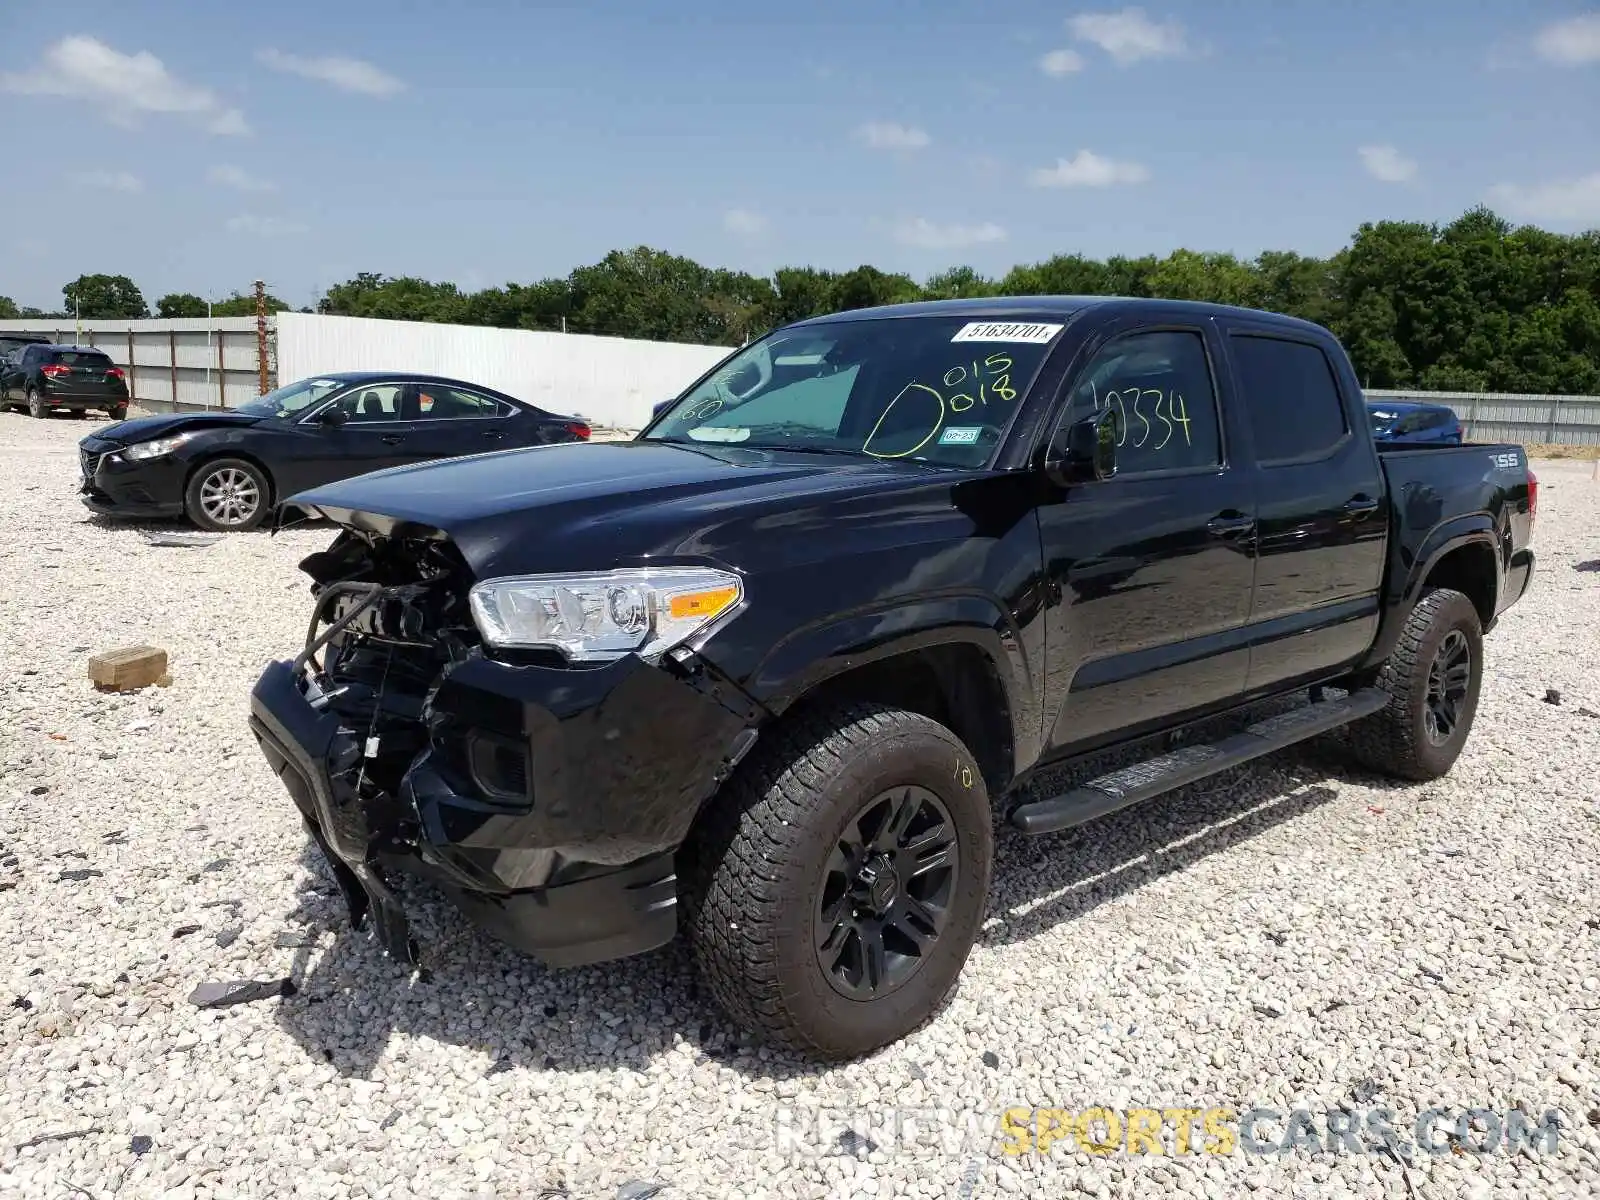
(197, 147)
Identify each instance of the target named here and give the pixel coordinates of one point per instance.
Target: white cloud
(1571, 43)
(1388, 164)
(122, 86)
(1564, 200)
(890, 135)
(346, 74)
(1061, 62)
(263, 226)
(111, 181)
(741, 222)
(1088, 169)
(925, 235)
(1130, 36)
(239, 179)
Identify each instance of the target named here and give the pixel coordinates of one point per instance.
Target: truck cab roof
(1064, 307)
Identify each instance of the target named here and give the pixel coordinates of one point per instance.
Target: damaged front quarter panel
(503, 779)
(619, 759)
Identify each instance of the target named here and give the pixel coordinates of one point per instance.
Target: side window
(1160, 384)
(1291, 396)
(1440, 417)
(440, 403)
(377, 402)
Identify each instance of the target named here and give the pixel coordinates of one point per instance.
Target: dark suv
(11, 340)
(47, 377)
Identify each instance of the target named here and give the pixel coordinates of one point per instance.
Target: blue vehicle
(1405, 422)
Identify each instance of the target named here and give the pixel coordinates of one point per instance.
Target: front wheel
(227, 494)
(1432, 678)
(835, 887)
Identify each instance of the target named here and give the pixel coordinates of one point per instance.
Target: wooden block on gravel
(128, 669)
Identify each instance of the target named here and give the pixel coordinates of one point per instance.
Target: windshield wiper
(793, 449)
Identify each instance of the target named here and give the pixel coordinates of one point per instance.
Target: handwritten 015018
(966, 385)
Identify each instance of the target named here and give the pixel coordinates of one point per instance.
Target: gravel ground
(1296, 935)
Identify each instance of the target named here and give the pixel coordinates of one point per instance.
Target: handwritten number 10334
(1138, 405)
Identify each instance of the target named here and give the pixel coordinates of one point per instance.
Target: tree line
(1473, 305)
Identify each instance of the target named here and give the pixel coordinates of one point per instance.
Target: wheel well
(954, 684)
(255, 462)
(1469, 570)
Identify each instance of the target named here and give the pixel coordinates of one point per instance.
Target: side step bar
(1179, 768)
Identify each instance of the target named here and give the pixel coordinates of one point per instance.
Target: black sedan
(226, 470)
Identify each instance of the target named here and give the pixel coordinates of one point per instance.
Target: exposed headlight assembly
(159, 446)
(602, 615)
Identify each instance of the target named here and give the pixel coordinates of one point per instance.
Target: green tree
(867, 287)
(241, 305)
(958, 282)
(180, 304)
(8, 309)
(404, 298)
(800, 292)
(104, 298)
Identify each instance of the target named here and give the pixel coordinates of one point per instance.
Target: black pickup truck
(771, 671)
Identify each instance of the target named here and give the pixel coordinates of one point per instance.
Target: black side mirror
(662, 407)
(332, 415)
(1086, 450)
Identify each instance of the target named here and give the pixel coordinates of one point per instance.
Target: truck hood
(142, 429)
(589, 505)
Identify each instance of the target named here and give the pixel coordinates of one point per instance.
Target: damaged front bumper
(546, 802)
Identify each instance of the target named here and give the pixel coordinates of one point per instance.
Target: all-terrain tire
(755, 867)
(1397, 739)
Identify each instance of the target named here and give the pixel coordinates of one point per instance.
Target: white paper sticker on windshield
(720, 433)
(1006, 331)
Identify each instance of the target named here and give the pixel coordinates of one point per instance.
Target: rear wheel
(1432, 679)
(835, 888)
(118, 412)
(227, 494)
(36, 406)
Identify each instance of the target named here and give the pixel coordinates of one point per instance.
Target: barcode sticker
(1006, 331)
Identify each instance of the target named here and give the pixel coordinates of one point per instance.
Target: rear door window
(436, 403)
(1290, 392)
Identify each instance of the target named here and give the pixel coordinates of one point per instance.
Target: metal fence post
(222, 378)
(1550, 428)
(172, 352)
(133, 393)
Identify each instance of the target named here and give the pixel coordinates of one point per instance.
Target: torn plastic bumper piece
(578, 865)
(318, 762)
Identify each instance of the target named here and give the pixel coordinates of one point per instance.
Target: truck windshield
(931, 389)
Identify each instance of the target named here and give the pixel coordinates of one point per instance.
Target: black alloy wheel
(886, 893)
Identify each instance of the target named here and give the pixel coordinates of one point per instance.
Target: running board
(1180, 768)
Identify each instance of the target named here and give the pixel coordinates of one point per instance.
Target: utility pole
(261, 334)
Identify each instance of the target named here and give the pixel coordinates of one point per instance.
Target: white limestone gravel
(1297, 934)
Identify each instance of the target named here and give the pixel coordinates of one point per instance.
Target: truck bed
(1441, 491)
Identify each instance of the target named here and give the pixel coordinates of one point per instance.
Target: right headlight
(158, 447)
(602, 615)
